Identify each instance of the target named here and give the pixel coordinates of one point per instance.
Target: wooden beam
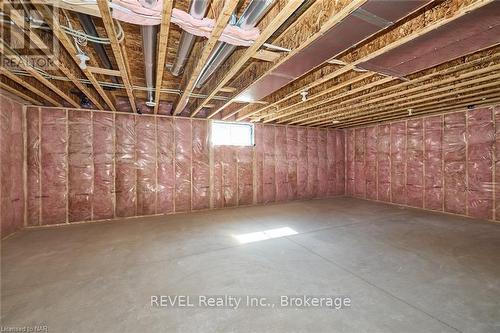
(22, 64)
(227, 89)
(430, 95)
(166, 13)
(320, 94)
(71, 49)
(274, 25)
(220, 24)
(118, 50)
(471, 97)
(366, 52)
(58, 60)
(28, 86)
(266, 55)
(435, 109)
(335, 19)
(386, 92)
(416, 103)
(89, 9)
(104, 71)
(19, 94)
(402, 94)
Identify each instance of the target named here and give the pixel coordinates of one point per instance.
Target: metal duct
(89, 28)
(197, 9)
(249, 19)
(149, 33)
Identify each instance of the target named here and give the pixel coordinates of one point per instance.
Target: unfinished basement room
(250, 166)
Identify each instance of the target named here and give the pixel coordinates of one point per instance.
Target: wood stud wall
(445, 162)
(103, 165)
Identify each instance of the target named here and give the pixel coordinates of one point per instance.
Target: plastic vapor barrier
(90, 165)
(11, 166)
(444, 163)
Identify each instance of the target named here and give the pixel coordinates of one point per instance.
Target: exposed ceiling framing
(346, 90)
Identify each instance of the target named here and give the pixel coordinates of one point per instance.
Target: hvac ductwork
(372, 17)
(249, 19)
(149, 33)
(89, 28)
(197, 9)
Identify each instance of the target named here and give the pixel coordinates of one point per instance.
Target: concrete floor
(404, 270)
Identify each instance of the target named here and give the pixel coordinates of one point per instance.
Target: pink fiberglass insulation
(350, 162)
(128, 165)
(415, 163)
(340, 162)
(230, 177)
(322, 163)
(398, 161)
(384, 163)
(125, 182)
(201, 165)
(165, 162)
(480, 141)
(454, 155)
(281, 164)
(33, 164)
(302, 163)
(80, 166)
(312, 162)
(292, 159)
(433, 163)
(103, 156)
(259, 163)
(371, 162)
(225, 176)
(496, 114)
(183, 143)
(245, 175)
(54, 145)
(145, 163)
(11, 166)
(359, 163)
(331, 168)
(442, 162)
(268, 172)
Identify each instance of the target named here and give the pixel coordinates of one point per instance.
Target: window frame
(252, 133)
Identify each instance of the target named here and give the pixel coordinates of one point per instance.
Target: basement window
(232, 134)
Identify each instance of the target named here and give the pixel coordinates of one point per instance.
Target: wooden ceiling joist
(22, 63)
(162, 50)
(19, 94)
(387, 92)
(476, 102)
(471, 97)
(118, 50)
(320, 94)
(220, 24)
(443, 13)
(60, 60)
(336, 18)
(409, 102)
(104, 71)
(29, 86)
(67, 44)
(274, 25)
(347, 108)
(363, 93)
